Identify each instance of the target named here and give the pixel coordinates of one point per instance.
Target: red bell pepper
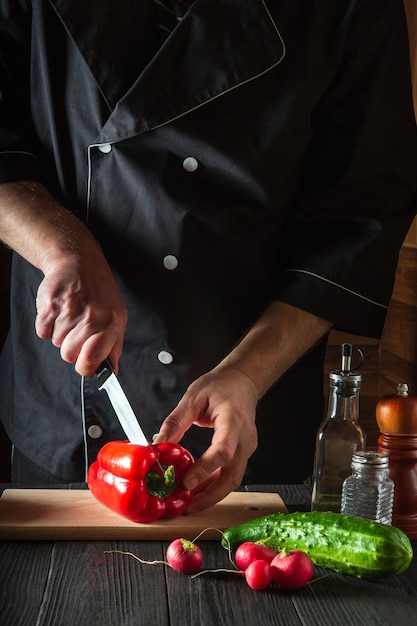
(142, 483)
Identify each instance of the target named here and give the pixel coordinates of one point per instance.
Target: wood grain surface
(90, 583)
(56, 514)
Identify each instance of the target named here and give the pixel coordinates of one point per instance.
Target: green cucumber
(350, 545)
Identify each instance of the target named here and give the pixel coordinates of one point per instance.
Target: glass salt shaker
(368, 492)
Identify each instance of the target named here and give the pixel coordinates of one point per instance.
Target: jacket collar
(198, 63)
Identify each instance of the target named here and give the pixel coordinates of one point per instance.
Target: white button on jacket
(95, 431)
(105, 148)
(190, 164)
(165, 357)
(170, 262)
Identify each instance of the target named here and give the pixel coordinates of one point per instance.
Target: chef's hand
(80, 309)
(78, 304)
(225, 400)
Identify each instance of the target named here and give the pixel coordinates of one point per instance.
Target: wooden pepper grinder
(396, 416)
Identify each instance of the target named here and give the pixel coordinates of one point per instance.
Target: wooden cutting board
(60, 514)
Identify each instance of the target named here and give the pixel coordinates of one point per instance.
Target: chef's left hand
(224, 399)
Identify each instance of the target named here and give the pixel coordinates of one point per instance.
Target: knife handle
(103, 372)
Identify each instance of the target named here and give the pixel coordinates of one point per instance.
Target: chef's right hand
(78, 304)
(79, 307)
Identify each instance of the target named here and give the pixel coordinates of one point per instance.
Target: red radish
(292, 569)
(249, 551)
(258, 575)
(184, 556)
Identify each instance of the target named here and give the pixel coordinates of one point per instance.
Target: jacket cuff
(348, 310)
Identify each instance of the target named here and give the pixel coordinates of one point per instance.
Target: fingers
(222, 466)
(224, 402)
(219, 484)
(85, 344)
(93, 352)
(85, 320)
(220, 454)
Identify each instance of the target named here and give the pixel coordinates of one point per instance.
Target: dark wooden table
(76, 583)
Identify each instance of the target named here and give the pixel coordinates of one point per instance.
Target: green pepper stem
(159, 485)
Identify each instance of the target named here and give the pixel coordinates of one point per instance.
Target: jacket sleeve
(17, 158)
(358, 195)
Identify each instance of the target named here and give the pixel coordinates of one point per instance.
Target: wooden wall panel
(411, 238)
(395, 370)
(399, 338)
(398, 349)
(405, 286)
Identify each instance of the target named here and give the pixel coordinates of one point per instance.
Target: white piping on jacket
(20, 152)
(331, 282)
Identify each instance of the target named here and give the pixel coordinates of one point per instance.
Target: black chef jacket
(266, 151)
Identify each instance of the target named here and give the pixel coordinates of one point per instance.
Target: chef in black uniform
(201, 202)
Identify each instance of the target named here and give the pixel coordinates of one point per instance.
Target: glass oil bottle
(338, 437)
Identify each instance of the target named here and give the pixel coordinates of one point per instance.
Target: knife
(107, 380)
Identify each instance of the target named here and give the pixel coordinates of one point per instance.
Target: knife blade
(107, 380)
